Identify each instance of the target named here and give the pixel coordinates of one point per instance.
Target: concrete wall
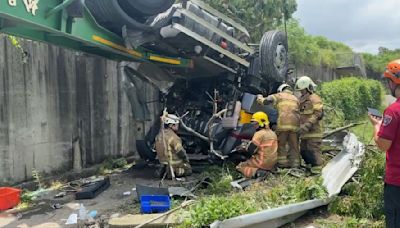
(318, 73)
(60, 95)
(53, 98)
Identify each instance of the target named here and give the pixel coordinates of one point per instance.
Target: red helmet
(393, 71)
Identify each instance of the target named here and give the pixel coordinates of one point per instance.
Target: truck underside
(197, 57)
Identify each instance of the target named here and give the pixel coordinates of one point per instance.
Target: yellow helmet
(261, 118)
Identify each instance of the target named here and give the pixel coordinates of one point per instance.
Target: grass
(220, 201)
(362, 201)
(56, 185)
(111, 165)
(364, 132)
(349, 222)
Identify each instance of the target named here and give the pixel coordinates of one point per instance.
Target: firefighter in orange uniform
(311, 132)
(287, 126)
(263, 148)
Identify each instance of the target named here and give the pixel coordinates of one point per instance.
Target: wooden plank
(130, 221)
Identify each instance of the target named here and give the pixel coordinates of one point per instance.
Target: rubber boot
(159, 173)
(260, 173)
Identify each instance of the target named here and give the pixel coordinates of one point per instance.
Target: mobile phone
(374, 112)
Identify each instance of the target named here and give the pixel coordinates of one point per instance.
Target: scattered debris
(335, 174)
(154, 203)
(94, 189)
(93, 214)
(72, 219)
(243, 183)
(60, 195)
(329, 133)
(183, 205)
(82, 212)
(180, 192)
(148, 190)
(136, 220)
(127, 193)
(56, 206)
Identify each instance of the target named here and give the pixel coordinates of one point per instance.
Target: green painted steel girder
(47, 21)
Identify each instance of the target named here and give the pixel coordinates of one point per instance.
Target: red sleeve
(389, 127)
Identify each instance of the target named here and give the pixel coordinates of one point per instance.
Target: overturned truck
(198, 58)
(224, 72)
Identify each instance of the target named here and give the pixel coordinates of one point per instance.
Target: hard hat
(305, 82)
(261, 118)
(171, 119)
(392, 71)
(283, 86)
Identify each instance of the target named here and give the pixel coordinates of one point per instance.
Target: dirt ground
(110, 203)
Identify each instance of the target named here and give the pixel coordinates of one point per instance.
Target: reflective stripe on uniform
(268, 144)
(307, 112)
(282, 159)
(318, 106)
(311, 135)
(287, 127)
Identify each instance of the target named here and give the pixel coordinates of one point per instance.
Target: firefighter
(170, 152)
(263, 147)
(287, 126)
(311, 112)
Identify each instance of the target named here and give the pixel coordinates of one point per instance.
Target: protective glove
(182, 155)
(303, 129)
(243, 146)
(260, 99)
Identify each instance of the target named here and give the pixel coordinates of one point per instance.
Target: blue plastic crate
(154, 203)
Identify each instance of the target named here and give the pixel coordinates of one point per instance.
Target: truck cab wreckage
(192, 53)
(199, 59)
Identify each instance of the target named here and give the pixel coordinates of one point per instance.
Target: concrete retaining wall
(318, 73)
(54, 98)
(59, 96)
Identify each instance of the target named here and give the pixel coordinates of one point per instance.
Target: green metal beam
(60, 7)
(48, 21)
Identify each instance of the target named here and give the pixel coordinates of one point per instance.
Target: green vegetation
(26, 200)
(38, 178)
(313, 50)
(113, 164)
(257, 16)
(351, 96)
(225, 203)
(349, 222)
(363, 198)
(377, 63)
(261, 16)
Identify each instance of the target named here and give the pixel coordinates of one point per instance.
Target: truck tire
(146, 7)
(144, 146)
(144, 150)
(273, 55)
(112, 15)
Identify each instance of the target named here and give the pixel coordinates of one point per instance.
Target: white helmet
(283, 87)
(171, 119)
(305, 82)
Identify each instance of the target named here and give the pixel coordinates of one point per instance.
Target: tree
(257, 16)
(376, 64)
(312, 50)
